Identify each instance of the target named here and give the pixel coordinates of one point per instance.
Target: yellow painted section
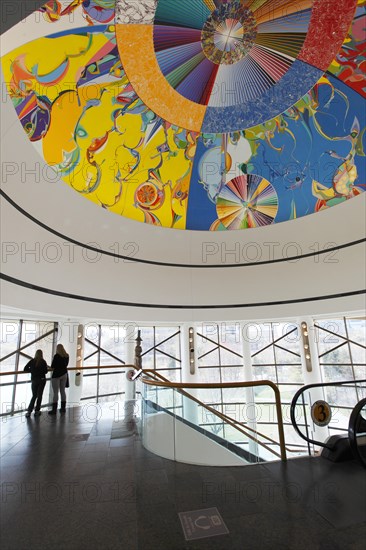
(32, 62)
(136, 50)
(210, 4)
(103, 152)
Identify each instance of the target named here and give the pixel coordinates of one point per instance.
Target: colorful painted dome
(197, 114)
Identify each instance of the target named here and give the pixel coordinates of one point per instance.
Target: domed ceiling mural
(198, 114)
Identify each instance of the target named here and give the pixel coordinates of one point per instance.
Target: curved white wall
(75, 272)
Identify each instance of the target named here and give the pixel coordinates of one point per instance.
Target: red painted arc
(323, 42)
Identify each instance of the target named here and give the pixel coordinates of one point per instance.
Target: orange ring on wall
(136, 50)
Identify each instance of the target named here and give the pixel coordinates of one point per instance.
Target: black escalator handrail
(352, 431)
(300, 392)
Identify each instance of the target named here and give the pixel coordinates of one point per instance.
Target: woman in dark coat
(59, 378)
(38, 369)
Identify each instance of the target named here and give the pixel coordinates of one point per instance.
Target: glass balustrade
(242, 432)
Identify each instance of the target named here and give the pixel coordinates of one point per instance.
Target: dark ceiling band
(170, 264)
(15, 11)
(37, 288)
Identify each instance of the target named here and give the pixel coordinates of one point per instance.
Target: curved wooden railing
(121, 366)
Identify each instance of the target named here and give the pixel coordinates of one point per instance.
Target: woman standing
(38, 369)
(59, 378)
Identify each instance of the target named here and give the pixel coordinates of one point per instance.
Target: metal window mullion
(340, 336)
(26, 345)
(154, 340)
(54, 338)
(221, 391)
(166, 354)
(180, 356)
(286, 350)
(168, 338)
(274, 354)
(20, 330)
(350, 356)
(53, 352)
(91, 341)
(98, 358)
(208, 352)
(111, 355)
(333, 349)
(220, 345)
(273, 341)
(29, 357)
(86, 357)
(154, 364)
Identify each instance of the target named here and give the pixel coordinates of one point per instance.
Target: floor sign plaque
(198, 524)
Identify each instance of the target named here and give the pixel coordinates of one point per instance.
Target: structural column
(188, 343)
(68, 332)
(251, 407)
(130, 385)
(311, 371)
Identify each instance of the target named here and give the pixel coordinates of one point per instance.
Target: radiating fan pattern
(203, 43)
(247, 201)
(226, 56)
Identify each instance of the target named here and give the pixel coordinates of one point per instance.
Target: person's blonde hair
(61, 350)
(38, 356)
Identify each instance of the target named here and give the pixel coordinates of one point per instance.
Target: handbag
(67, 381)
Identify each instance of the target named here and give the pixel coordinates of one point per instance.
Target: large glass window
(161, 352)
(19, 342)
(342, 357)
(275, 350)
(104, 346)
(220, 359)
(9, 343)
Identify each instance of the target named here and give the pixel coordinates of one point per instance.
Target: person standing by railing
(59, 378)
(38, 369)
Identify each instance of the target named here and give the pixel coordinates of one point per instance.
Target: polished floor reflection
(84, 480)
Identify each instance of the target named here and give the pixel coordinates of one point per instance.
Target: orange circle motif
(146, 194)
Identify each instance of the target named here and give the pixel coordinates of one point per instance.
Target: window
(161, 352)
(220, 359)
(19, 342)
(275, 350)
(342, 357)
(104, 346)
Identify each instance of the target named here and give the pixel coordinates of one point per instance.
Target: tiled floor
(76, 482)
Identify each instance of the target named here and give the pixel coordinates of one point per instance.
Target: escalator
(237, 448)
(357, 432)
(336, 433)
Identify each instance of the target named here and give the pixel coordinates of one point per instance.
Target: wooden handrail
(9, 373)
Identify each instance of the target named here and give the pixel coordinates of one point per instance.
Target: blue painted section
(201, 210)
(304, 147)
(298, 80)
